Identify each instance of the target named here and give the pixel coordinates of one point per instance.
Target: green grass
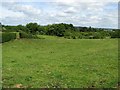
(65, 63)
(49, 37)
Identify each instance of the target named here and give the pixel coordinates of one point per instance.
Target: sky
(102, 14)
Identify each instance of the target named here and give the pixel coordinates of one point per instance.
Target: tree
(23, 28)
(33, 27)
(41, 30)
(115, 34)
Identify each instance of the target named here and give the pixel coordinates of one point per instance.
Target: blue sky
(96, 14)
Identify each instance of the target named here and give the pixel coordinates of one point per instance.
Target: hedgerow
(7, 36)
(26, 35)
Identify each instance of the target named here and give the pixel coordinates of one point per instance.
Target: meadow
(60, 63)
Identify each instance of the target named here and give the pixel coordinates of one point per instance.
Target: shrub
(115, 34)
(68, 37)
(91, 37)
(26, 35)
(79, 37)
(7, 36)
(73, 37)
(97, 35)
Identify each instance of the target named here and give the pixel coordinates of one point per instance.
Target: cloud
(26, 9)
(70, 10)
(10, 14)
(17, 12)
(96, 14)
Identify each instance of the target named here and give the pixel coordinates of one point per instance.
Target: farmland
(58, 62)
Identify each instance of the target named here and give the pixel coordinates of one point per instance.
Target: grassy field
(60, 62)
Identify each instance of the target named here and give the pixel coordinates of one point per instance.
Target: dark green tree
(33, 27)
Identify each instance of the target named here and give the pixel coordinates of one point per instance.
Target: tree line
(63, 30)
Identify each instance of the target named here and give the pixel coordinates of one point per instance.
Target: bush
(91, 37)
(115, 34)
(7, 36)
(26, 35)
(68, 37)
(98, 35)
(73, 37)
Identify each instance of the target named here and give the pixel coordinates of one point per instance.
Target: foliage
(58, 29)
(33, 27)
(26, 35)
(11, 28)
(23, 28)
(115, 34)
(65, 30)
(6, 36)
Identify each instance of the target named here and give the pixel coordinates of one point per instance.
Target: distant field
(66, 63)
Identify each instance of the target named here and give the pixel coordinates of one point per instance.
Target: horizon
(60, 23)
(84, 14)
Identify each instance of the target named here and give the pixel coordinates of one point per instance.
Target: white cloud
(59, 1)
(11, 14)
(61, 14)
(70, 11)
(16, 12)
(26, 9)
